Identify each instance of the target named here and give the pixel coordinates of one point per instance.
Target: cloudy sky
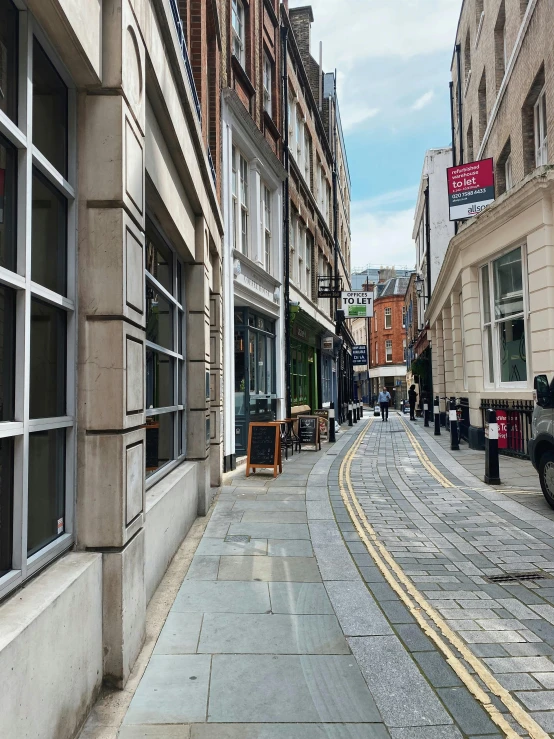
(393, 61)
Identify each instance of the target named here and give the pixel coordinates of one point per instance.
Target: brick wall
(379, 334)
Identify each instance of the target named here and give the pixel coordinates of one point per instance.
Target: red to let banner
(470, 188)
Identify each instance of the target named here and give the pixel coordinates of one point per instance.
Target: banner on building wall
(359, 354)
(357, 304)
(470, 188)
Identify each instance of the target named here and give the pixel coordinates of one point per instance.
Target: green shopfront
(255, 373)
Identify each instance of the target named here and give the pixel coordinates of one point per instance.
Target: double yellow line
(423, 612)
(424, 459)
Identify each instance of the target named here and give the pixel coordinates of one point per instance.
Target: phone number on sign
(467, 193)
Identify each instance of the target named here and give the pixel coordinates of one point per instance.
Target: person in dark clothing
(412, 397)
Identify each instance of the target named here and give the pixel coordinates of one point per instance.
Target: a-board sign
(264, 447)
(323, 415)
(470, 188)
(357, 304)
(308, 431)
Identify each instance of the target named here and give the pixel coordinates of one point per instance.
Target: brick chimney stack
(301, 20)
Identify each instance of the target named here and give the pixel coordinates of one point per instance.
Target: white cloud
(382, 238)
(354, 116)
(405, 196)
(424, 100)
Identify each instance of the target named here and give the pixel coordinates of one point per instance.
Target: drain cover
(237, 539)
(517, 576)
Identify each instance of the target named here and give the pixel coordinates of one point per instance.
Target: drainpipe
(286, 218)
(427, 242)
(460, 119)
(451, 86)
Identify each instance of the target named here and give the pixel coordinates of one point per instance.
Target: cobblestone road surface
(285, 627)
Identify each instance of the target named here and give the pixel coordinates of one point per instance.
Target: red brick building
(388, 339)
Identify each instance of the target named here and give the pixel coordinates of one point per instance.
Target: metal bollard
(453, 418)
(437, 413)
(355, 412)
(350, 414)
(426, 415)
(332, 437)
(492, 468)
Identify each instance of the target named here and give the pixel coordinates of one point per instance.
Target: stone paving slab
(289, 731)
(276, 569)
(299, 598)
(199, 596)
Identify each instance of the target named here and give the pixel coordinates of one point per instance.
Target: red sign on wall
(470, 188)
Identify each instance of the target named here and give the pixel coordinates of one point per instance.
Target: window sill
(479, 29)
(270, 124)
(468, 80)
(242, 76)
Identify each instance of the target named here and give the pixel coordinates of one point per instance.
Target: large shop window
(504, 320)
(165, 362)
(37, 301)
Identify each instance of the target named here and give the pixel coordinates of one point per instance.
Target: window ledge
(479, 29)
(468, 80)
(270, 124)
(242, 76)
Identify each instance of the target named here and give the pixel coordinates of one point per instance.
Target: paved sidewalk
(284, 628)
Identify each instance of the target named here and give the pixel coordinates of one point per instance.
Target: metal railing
(185, 54)
(514, 425)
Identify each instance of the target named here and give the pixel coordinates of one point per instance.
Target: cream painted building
(110, 337)
(491, 312)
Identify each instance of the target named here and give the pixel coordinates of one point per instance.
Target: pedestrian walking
(412, 397)
(384, 400)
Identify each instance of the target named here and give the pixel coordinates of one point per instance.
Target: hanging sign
(470, 188)
(357, 304)
(359, 354)
(264, 447)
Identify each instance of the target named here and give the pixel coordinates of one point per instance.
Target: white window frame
(266, 226)
(20, 135)
(179, 364)
(388, 355)
(508, 172)
(307, 162)
(268, 84)
(309, 243)
(540, 128)
(293, 250)
(388, 315)
(495, 324)
(240, 172)
(237, 29)
(301, 255)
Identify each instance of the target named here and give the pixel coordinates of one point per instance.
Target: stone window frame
(240, 194)
(267, 84)
(266, 225)
(177, 298)
(540, 129)
(490, 325)
(20, 135)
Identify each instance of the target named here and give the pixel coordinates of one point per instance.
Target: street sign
(470, 188)
(359, 354)
(357, 304)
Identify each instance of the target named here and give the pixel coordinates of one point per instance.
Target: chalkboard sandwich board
(264, 447)
(323, 414)
(308, 431)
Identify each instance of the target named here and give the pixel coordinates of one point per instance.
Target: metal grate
(237, 539)
(519, 576)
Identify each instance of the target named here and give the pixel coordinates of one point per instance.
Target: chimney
(301, 20)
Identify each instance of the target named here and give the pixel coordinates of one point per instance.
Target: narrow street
(353, 597)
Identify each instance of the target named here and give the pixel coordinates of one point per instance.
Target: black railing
(185, 54)
(514, 425)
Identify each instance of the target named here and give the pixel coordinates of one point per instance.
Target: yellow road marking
(424, 459)
(417, 604)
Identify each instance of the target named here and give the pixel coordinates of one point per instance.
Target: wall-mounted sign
(328, 343)
(357, 304)
(359, 354)
(470, 188)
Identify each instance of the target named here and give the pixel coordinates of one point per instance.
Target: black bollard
(350, 419)
(426, 414)
(355, 412)
(332, 437)
(453, 417)
(362, 409)
(437, 413)
(492, 468)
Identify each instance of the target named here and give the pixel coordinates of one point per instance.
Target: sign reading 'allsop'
(470, 188)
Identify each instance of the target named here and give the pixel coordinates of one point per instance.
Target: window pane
(513, 360)
(159, 318)
(46, 488)
(486, 294)
(6, 504)
(48, 360)
(49, 235)
(490, 363)
(159, 380)
(159, 441)
(159, 262)
(9, 34)
(7, 353)
(508, 285)
(8, 201)
(49, 110)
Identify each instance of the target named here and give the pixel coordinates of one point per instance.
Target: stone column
(197, 283)
(457, 342)
(473, 343)
(216, 370)
(438, 362)
(111, 437)
(448, 350)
